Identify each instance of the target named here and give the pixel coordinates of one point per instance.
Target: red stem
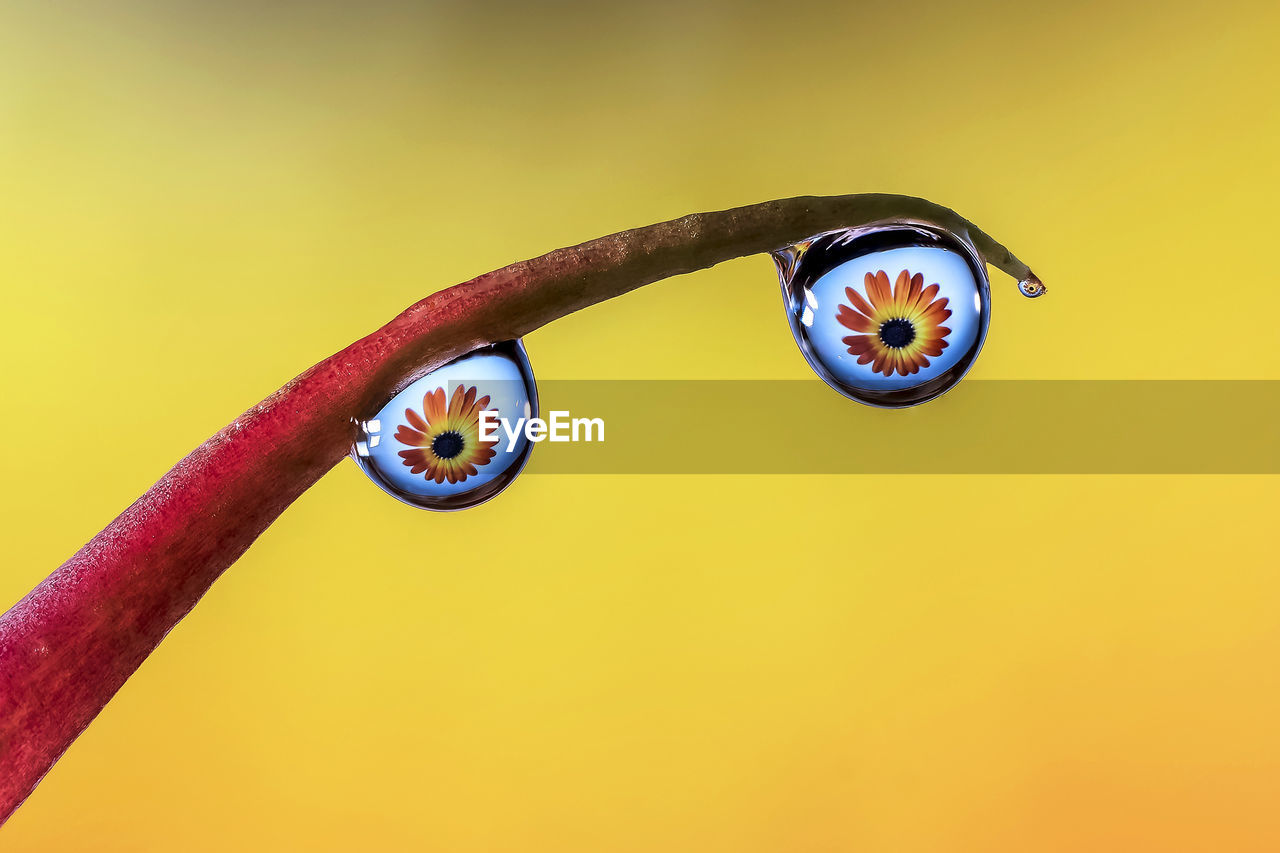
(69, 645)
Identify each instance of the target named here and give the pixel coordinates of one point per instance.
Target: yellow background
(199, 200)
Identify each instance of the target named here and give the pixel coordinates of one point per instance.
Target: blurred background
(199, 200)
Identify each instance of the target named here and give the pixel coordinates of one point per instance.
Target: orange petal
(455, 402)
(412, 437)
(858, 301)
(913, 295)
(900, 288)
(433, 406)
(857, 343)
(851, 319)
(936, 308)
(879, 292)
(872, 289)
(926, 296)
(929, 325)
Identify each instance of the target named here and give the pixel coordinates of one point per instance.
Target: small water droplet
(424, 445)
(1032, 286)
(890, 314)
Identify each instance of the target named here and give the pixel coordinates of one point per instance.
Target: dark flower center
(897, 333)
(447, 445)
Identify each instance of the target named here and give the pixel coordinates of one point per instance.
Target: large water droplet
(890, 314)
(424, 445)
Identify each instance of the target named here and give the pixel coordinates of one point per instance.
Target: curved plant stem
(68, 646)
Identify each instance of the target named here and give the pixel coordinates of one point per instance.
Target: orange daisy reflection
(901, 326)
(445, 442)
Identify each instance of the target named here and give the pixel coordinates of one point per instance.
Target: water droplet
(1032, 286)
(891, 314)
(424, 445)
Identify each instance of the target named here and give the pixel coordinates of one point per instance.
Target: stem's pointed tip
(789, 258)
(1032, 286)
